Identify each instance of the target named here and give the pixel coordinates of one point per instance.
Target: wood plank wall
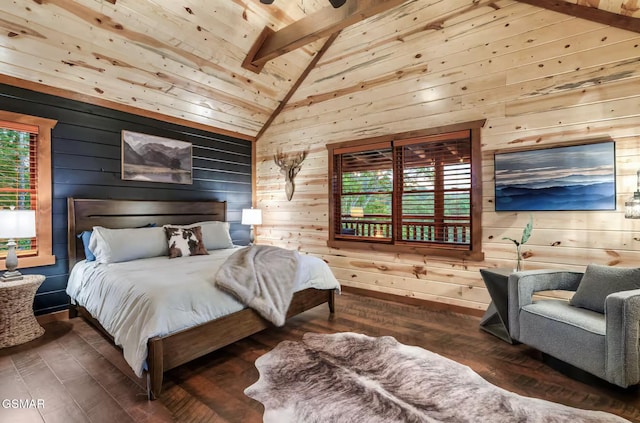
(86, 146)
(540, 78)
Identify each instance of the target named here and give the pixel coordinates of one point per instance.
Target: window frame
(472, 251)
(44, 236)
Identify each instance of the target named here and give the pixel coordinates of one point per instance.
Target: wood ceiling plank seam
(579, 115)
(623, 88)
(99, 84)
(606, 53)
(398, 99)
(55, 90)
(410, 15)
(118, 53)
(576, 81)
(198, 14)
(280, 14)
(461, 47)
(590, 13)
(233, 52)
(143, 15)
(69, 82)
(456, 48)
(319, 25)
(236, 49)
(572, 97)
(144, 40)
(391, 105)
(414, 22)
(297, 84)
(481, 69)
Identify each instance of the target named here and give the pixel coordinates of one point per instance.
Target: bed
(167, 351)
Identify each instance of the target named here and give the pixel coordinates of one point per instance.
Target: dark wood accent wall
(86, 146)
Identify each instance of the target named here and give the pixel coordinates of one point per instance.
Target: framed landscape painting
(578, 177)
(155, 159)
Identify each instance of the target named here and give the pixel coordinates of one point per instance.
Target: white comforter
(140, 299)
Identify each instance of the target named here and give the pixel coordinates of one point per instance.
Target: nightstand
(17, 321)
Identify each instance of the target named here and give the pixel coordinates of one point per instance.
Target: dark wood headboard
(84, 214)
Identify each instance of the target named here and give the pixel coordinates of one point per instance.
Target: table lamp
(251, 217)
(15, 224)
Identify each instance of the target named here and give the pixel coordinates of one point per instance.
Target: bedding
(140, 299)
(261, 277)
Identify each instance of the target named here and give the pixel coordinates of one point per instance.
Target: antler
(280, 159)
(289, 166)
(288, 163)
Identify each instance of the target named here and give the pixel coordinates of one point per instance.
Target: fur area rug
(349, 377)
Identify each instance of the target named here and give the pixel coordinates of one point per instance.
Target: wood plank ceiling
(183, 59)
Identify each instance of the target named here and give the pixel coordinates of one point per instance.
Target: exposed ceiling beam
(313, 27)
(589, 13)
(297, 84)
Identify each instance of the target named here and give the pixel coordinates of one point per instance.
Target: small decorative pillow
(185, 241)
(85, 236)
(599, 281)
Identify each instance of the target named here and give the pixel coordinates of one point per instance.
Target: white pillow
(116, 245)
(215, 235)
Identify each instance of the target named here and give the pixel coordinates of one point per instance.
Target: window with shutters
(25, 182)
(417, 192)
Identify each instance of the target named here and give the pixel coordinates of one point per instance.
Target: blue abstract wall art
(578, 177)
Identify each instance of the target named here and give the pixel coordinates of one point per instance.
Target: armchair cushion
(573, 335)
(599, 281)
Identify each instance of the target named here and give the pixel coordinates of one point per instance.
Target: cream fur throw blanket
(261, 277)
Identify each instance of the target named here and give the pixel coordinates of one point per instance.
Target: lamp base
(252, 236)
(11, 276)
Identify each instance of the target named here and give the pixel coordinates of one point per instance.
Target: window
(417, 192)
(25, 181)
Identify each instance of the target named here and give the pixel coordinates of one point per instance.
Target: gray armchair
(597, 331)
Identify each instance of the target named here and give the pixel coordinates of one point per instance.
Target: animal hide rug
(349, 377)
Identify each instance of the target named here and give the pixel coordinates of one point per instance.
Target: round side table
(17, 321)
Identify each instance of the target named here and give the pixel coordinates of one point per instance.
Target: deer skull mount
(289, 165)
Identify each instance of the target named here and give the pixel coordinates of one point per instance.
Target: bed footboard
(165, 353)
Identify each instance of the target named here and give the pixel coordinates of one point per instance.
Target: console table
(17, 322)
(496, 318)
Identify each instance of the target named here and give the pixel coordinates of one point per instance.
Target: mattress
(140, 299)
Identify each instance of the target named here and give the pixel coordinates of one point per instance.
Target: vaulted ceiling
(183, 60)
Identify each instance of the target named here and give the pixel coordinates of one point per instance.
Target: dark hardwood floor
(81, 377)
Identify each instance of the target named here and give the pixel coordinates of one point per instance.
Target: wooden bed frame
(167, 352)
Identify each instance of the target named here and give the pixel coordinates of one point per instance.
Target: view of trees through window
(372, 192)
(432, 191)
(416, 192)
(367, 201)
(17, 175)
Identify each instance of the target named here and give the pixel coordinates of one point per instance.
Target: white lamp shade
(17, 224)
(251, 217)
